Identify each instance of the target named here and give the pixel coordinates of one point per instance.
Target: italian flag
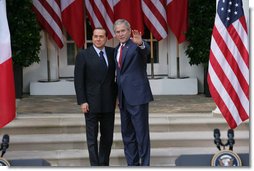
(7, 88)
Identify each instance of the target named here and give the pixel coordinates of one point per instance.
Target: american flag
(155, 17)
(101, 14)
(228, 72)
(48, 13)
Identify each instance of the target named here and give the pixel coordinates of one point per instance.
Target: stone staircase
(60, 138)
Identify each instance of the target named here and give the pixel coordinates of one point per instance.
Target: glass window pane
(155, 53)
(71, 53)
(89, 30)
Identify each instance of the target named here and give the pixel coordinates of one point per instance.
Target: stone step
(74, 157)
(60, 138)
(75, 123)
(158, 139)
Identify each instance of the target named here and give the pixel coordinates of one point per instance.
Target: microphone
(231, 140)
(217, 140)
(5, 144)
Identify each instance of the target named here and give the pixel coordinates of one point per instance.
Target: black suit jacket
(93, 85)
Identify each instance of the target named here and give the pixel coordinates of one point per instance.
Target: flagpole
(152, 55)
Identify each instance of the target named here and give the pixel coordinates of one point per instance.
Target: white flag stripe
(224, 95)
(96, 22)
(55, 7)
(105, 15)
(242, 33)
(5, 42)
(111, 4)
(161, 9)
(230, 74)
(49, 19)
(115, 2)
(149, 14)
(65, 4)
(233, 49)
(169, 1)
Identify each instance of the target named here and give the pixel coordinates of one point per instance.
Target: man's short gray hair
(122, 21)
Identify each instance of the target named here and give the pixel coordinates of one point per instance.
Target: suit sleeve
(145, 52)
(79, 78)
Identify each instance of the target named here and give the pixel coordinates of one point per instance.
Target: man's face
(122, 33)
(99, 38)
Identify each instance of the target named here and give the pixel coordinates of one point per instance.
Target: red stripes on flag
(73, 20)
(101, 14)
(155, 17)
(7, 88)
(48, 13)
(228, 73)
(177, 18)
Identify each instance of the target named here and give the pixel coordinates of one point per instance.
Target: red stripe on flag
(219, 101)
(49, 16)
(228, 86)
(154, 19)
(100, 14)
(51, 11)
(239, 43)
(101, 18)
(109, 7)
(48, 27)
(244, 24)
(228, 74)
(231, 61)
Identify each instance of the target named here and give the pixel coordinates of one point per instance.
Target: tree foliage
(201, 21)
(25, 32)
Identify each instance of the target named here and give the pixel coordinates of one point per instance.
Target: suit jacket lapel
(126, 48)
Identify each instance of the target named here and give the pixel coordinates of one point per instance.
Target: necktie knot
(101, 54)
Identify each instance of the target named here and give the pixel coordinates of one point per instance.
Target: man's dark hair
(101, 28)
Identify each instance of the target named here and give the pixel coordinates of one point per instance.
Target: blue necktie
(102, 61)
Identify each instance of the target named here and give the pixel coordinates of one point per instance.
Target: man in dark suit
(94, 79)
(134, 93)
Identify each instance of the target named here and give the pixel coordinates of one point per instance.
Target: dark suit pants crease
(135, 133)
(104, 122)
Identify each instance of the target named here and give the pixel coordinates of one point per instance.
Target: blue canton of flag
(229, 11)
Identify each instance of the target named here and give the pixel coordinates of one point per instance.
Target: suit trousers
(104, 122)
(135, 133)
